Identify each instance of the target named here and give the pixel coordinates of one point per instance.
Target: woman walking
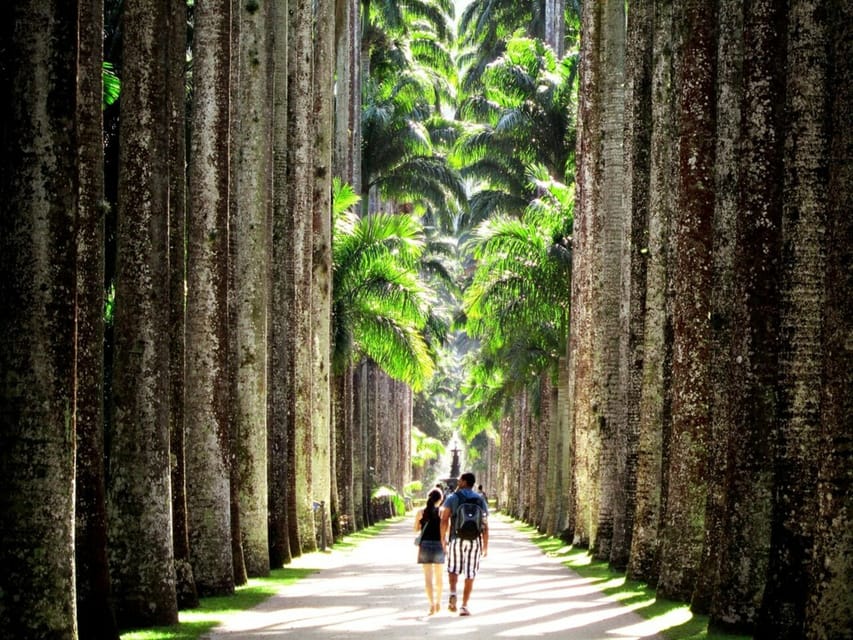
(430, 549)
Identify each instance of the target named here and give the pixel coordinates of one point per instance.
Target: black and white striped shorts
(463, 557)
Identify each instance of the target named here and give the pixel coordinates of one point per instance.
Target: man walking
(464, 522)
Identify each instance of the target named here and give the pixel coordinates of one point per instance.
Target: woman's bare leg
(438, 579)
(428, 586)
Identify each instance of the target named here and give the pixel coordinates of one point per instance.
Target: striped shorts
(463, 557)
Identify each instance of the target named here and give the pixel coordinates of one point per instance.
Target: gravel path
(376, 591)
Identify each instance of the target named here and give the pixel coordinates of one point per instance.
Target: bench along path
(376, 591)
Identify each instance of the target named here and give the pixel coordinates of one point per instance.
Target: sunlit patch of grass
(675, 619)
(215, 610)
(352, 539)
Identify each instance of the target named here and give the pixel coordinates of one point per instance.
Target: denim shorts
(430, 552)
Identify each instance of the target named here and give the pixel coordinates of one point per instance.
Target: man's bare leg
(466, 591)
(452, 578)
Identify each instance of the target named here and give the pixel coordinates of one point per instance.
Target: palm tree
(516, 304)
(139, 488)
(486, 26)
(380, 311)
(38, 211)
(380, 308)
(321, 285)
(177, 78)
(95, 616)
(401, 160)
(208, 494)
(523, 116)
(405, 33)
(279, 387)
(681, 542)
(250, 241)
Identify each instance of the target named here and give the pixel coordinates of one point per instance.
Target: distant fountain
(453, 478)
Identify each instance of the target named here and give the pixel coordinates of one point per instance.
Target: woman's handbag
(419, 536)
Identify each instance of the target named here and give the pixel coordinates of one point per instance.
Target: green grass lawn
(216, 610)
(675, 618)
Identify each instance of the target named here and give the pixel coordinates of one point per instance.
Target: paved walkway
(376, 591)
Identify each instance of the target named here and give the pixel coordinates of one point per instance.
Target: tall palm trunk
(655, 396)
(608, 225)
(829, 611)
(552, 497)
(38, 211)
(798, 437)
(544, 426)
(361, 489)
(347, 165)
(581, 345)
(746, 524)
(250, 247)
(596, 271)
(139, 490)
(521, 452)
(555, 25)
(299, 268)
(683, 533)
(279, 373)
(347, 140)
(95, 617)
(208, 487)
(345, 446)
(368, 410)
(185, 583)
(233, 366)
(727, 320)
(564, 516)
(321, 272)
(638, 126)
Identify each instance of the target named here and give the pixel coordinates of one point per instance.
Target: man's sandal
(451, 604)
(464, 611)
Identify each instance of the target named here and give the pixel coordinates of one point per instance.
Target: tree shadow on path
(376, 589)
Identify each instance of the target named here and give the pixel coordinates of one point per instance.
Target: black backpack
(468, 518)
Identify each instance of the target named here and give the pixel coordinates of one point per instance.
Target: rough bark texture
(552, 496)
(344, 447)
(581, 338)
(361, 494)
(544, 422)
(555, 26)
(321, 236)
(95, 617)
(347, 141)
(300, 178)
(234, 366)
(638, 126)
(829, 610)
(251, 246)
(369, 416)
(38, 208)
(655, 397)
(608, 219)
(683, 533)
(565, 491)
(753, 368)
(798, 437)
(208, 487)
(727, 319)
(139, 488)
(346, 162)
(278, 408)
(185, 583)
